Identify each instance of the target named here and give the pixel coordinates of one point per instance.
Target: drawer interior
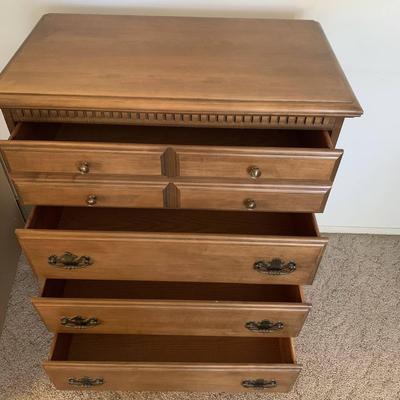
(152, 348)
(173, 135)
(174, 221)
(99, 289)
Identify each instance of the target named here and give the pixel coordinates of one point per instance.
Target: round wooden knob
(91, 200)
(254, 172)
(250, 204)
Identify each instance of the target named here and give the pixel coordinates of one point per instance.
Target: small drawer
(282, 196)
(258, 155)
(172, 245)
(67, 191)
(172, 308)
(79, 149)
(172, 363)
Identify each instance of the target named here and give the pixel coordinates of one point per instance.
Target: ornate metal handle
(91, 200)
(250, 204)
(70, 261)
(79, 322)
(259, 383)
(275, 267)
(254, 172)
(83, 167)
(264, 326)
(85, 381)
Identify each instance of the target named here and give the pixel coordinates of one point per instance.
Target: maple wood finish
(172, 65)
(172, 363)
(39, 167)
(266, 197)
(172, 245)
(174, 163)
(172, 308)
(119, 192)
(76, 192)
(213, 153)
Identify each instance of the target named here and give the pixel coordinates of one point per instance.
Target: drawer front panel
(190, 377)
(258, 165)
(267, 198)
(205, 318)
(149, 160)
(42, 192)
(172, 257)
(82, 158)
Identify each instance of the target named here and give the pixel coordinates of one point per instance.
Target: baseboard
(359, 229)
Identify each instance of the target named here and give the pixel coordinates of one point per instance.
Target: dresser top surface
(177, 64)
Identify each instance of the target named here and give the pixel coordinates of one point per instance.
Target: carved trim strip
(9, 120)
(178, 118)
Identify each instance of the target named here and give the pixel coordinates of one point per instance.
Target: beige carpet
(349, 347)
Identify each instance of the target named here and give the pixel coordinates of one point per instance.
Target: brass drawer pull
(85, 381)
(250, 204)
(91, 200)
(275, 267)
(254, 172)
(259, 383)
(264, 326)
(70, 261)
(79, 322)
(83, 167)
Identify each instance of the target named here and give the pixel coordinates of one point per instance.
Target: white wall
(365, 35)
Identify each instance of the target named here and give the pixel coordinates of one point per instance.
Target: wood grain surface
(171, 363)
(200, 309)
(177, 64)
(188, 152)
(137, 244)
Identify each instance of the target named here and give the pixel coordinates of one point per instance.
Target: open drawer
(172, 245)
(173, 308)
(171, 363)
(171, 151)
(108, 191)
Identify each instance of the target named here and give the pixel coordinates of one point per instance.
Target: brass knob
(84, 167)
(250, 204)
(254, 172)
(91, 200)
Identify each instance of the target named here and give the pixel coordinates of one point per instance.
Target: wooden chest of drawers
(175, 165)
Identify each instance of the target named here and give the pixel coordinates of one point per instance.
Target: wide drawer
(172, 245)
(171, 363)
(171, 151)
(206, 309)
(106, 191)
